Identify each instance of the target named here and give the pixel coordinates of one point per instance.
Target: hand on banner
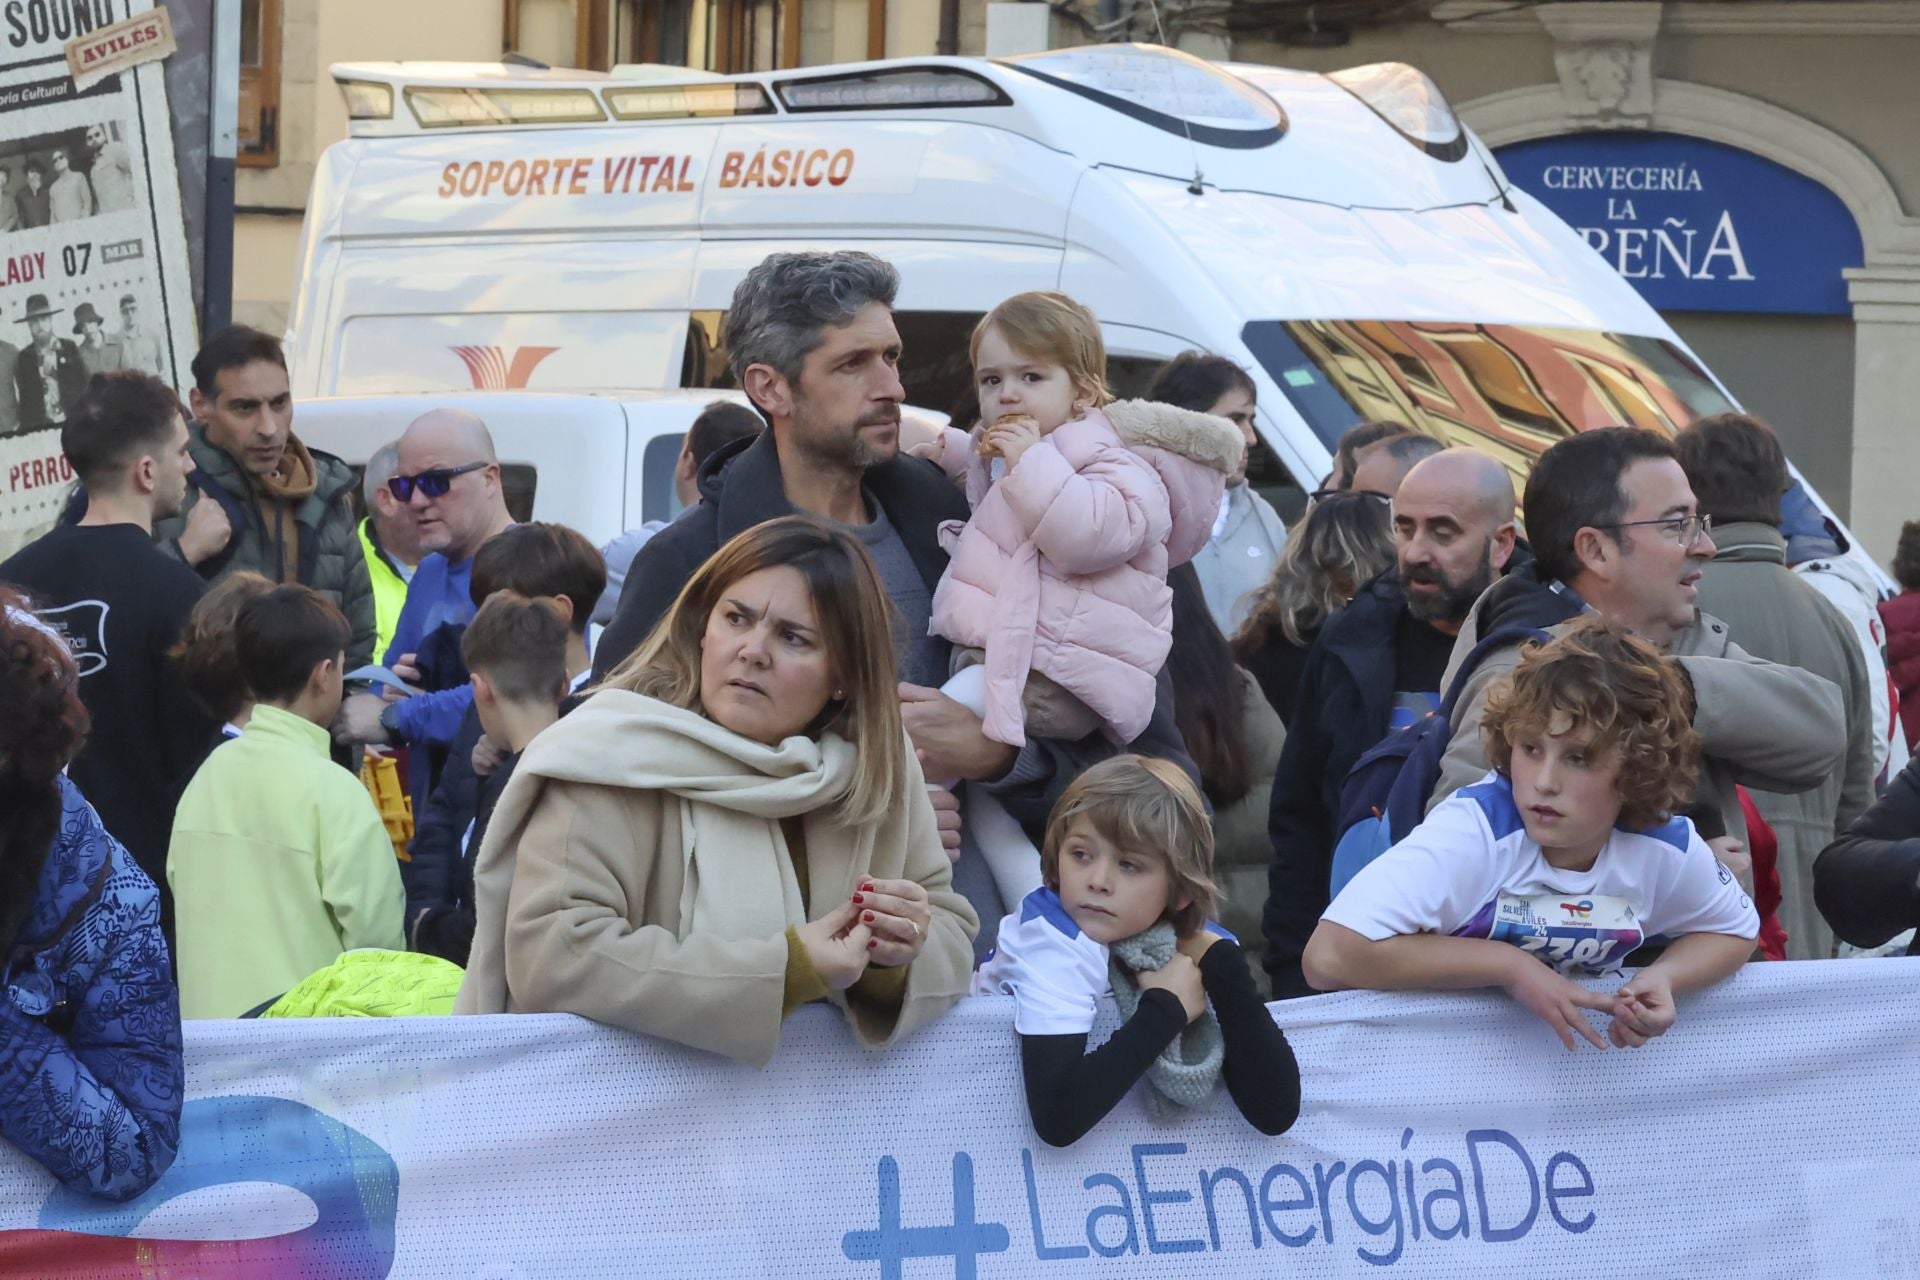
(946, 816)
(207, 532)
(836, 945)
(897, 913)
(1181, 976)
(1643, 1009)
(1555, 1000)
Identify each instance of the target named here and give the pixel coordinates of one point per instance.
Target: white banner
(93, 256)
(1775, 1132)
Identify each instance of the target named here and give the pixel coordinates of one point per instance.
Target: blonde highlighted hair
(1049, 326)
(1145, 806)
(856, 629)
(1608, 683)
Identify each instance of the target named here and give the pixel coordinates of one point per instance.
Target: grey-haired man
(811, 339)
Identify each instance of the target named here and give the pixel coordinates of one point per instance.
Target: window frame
(258, 143)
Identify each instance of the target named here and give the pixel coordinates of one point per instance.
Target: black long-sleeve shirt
(1070, 1090)
(1867, 883)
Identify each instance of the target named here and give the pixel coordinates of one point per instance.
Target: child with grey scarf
(1127, 863)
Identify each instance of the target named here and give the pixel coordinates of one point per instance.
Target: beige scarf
(732, 794)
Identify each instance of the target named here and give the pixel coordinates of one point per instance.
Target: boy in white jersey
(1562, 860)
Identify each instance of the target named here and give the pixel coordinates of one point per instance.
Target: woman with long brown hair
(732, 825)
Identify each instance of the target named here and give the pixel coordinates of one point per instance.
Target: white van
(1341, 236)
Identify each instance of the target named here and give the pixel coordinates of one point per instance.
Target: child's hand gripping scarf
(1184, 1075)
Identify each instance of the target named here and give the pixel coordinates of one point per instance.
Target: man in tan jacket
(1738, 471)
(1615, 527)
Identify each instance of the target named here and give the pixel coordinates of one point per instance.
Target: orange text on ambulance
(784, 168)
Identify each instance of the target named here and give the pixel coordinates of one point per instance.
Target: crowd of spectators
(1056, 708)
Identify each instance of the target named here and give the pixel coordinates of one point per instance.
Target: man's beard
(1451, 603)
(845, 449)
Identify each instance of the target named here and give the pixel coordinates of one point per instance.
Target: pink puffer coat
(1063, 567)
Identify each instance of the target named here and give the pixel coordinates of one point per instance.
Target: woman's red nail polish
(868, 917)
(872, 943)
(857, 899)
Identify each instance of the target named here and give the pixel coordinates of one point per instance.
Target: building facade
(1750, 167)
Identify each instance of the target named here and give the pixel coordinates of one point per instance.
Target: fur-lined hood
(1213, 442)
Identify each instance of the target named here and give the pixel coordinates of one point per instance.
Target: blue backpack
(1385, 794)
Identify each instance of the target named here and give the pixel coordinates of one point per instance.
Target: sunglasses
(433, 484)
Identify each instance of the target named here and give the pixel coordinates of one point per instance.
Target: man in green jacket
(261, 499)
(1738, 471)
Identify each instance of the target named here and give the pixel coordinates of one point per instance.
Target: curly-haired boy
(1568, 853)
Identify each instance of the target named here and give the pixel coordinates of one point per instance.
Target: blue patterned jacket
(90, 1068)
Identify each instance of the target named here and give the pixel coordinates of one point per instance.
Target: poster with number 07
(93, 254)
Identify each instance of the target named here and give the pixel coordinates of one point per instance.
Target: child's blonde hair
(1615, 686)
(1147, 807)
(1052, 327)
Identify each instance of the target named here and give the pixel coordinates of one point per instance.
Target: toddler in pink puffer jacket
(1056, 596)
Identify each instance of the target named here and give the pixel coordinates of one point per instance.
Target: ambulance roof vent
(891, 88)
(1411, 103)
(717, 100)
(1168, 89)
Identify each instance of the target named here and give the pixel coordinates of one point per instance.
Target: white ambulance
(1341, 236)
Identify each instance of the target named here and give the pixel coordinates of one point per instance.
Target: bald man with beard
(1377, 666)
(449, 477)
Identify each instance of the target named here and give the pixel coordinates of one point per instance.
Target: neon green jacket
(279, 862)
(389, 589)
(374, 984)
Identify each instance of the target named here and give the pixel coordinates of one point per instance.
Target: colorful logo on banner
(1696, 225)
(351, 1180)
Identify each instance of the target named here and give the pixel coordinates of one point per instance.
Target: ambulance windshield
(1165, 88)
(1509, 390)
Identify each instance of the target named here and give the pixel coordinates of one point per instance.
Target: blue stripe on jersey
(1045, 904)
(1495, 798)
(1676, 831)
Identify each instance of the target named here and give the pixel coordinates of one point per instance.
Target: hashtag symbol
(891, 1244)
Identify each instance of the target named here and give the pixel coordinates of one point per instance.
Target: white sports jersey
(1053, 971)
(1471, 871)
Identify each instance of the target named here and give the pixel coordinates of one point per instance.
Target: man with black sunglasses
(449, 478)
(261, 499)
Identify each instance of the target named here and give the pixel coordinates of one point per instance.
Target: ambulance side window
(658, 501)
(518, 480)
(934, 366)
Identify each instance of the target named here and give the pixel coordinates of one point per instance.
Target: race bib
(1574, 933)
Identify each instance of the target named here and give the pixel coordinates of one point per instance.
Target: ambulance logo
(493, 370)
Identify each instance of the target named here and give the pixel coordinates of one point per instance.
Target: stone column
(1886, 404)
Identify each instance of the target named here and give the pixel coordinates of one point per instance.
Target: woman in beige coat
(732, 826)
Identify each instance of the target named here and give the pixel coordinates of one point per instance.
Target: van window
(1510, 390)
(518, 481)
(658, 501)
(934, 366)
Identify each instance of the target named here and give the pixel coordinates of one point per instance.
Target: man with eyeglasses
(1615, 528)
(1376, 667)
(1739, 472)
(449, 477)
(262, 500)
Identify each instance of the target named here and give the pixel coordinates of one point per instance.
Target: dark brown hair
(1736, 467)
(43, 724)
(520, 646)
(121, 416)
(1148, 807)
(233, 347)
(1906, 557)
(1358, 437)
(281, 636)
(537, 559)
(205, 655)
(1208, 693)
(1609, 683)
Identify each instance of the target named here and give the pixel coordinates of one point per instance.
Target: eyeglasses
(1682, 529)
(434, 483)
(1321, 495)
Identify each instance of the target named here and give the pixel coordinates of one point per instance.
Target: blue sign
(1696, 225)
